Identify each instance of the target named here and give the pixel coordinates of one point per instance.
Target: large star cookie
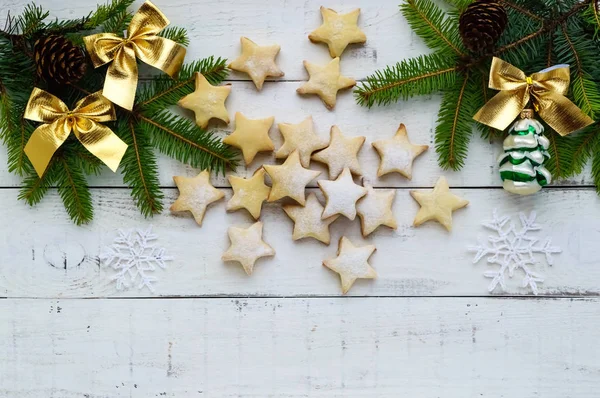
(249, 193)
(257, 61)
(251, 136)
(247, 246)
(351, 263)
(438, 204)
(341, 195)
(290, 179)
(397, 154)
(207, 101)
(338, 30)
(308, 222)
(325, 81)
(375, 209)
(342, 152)
(301, 137)
(195, 194)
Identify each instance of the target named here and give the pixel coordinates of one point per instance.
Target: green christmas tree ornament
(525, 151)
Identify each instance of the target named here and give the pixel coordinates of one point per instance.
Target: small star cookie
(375, 209)
(249, 193)
(397, 154)
(325, 81)
(290, 179)
(207, 101)
(438, 204)
(342, 152)
(341, 195)
(195, 194)
(301, 136)
(338, 30)
(247, 246)
(251, 136)
(257, 61)
(308, 222)
(352, 263)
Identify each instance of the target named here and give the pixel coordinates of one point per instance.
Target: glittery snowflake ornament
(135, 256)
(513, 249)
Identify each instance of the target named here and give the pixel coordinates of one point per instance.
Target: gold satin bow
(141, 42)
(59, 121)
(545, 89)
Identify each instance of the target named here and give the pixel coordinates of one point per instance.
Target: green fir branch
(583, 145)
(34, 188)
(177, 34)
(561, 155)
(430, 23)
(455, 122)
(181, 139)
(596, 168)
(105, 12)
(118, 22)
(139, 168)
(73, 189)
(422, 75)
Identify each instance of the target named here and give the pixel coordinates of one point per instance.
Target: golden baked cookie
(195, 194)
(301, 137)
(257, 61)
(375, 209)
(338, 30)
(352, 263)
(397, 153)
(325, 81)
(342, 152)
(247, 246)
(290, 179)
(251, 136)
(249, 193)
(308, 222)
(341, 195)
(438, 204)
(207, 101)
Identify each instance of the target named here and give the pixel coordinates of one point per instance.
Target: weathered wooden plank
(288, 348)
(45, 255)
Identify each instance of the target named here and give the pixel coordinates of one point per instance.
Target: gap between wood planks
(571, 187)
(579, 297)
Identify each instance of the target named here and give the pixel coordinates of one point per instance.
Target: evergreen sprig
(540, 33)
(150, 125)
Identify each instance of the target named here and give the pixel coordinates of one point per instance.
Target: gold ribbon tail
(43, 143)
(101, 141)
(561, 114)
(502, 109)
(122, 79)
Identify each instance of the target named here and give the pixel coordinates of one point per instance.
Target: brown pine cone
(58, 60)
(481, 25)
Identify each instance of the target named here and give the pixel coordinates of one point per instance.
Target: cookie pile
(343, 196)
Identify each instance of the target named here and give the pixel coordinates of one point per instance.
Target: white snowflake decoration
(513, 249)
(134, 256)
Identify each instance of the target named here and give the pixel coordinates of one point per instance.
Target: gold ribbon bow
(83, 121)
(546, 90)
(141, 42)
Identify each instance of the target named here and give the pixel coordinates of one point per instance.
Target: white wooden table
(426, 328)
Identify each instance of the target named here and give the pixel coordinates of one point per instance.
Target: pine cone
(481, 25)
(58, 60)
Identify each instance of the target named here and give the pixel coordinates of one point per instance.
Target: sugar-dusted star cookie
(247, 246)
(397, 153)
(341, 195)
(290, 179)
(301, 137)
(325, 81)
(249, 193)
(438, 204)
(375, 209)
(351, 263)
(251, 136)
(338, 30)
(195, 194)
(207, 101)
(257, 61)
(307, 220)
(342, 152)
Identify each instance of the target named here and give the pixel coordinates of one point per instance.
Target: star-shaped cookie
(249, 193)
(338, 30)
(207, 101)
(290, 179)
(397, 154)
(375, 209)
(247, 246)
(438, 204)
(195, 194)
(342, 152)
(257, 61)
(352, 263)
(301, 137)
(251, 136)
(325, 81)
(308, 222)
(341, 195)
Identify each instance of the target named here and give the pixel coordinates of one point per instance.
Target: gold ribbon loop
(545, 89)
(83, 121)
(142, 43)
